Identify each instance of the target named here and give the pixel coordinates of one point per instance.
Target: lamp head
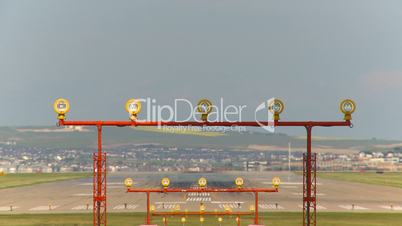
(276, 107)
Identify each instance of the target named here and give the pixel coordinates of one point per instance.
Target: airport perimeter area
(70, 202)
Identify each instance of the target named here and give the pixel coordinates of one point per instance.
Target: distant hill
(53, 137)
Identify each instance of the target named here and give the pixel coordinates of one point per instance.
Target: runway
(76, 195)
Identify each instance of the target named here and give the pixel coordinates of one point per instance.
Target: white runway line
(301, 194)
(391, 208)
(270, 206)
(83, 194)
(129, 207)
(166, 206)
(170, 202)
(350, 207)
(198, 199)
(7, 208)
(225, 202)
(232, 205)
(43, 208)
(82, 207)
(319, 207)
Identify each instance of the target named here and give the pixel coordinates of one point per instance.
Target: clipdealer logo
(268, 116)
(183, 110)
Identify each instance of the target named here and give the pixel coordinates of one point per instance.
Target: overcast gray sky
(312, 54)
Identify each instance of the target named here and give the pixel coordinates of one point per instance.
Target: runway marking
(270, 206)
(319, 207)
(83, 194)
(199, 194)
(391, 208)
(198, 199)
(82, 207)
(350, 207)
(43, 208)
(225, 202)
(230, 205)
(166, 206)
(170, 202)
(129, 207)
(301, 194)
(7, 208)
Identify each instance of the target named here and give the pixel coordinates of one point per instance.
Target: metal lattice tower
(310, 203)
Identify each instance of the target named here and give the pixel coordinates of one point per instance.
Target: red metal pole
(99, 176)
(94, 188)
(148, 209)
(238, 220)
(308, 176)
(304, 188)
(256, 208)
(314, 182)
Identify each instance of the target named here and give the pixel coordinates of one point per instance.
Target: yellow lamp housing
(177, 207)
(239, 182)
(165, 182)
(202, 182)
(220, 219)
(276, 107)
(204, 107)
(183, 220)
(152, 208)
(347, 107)
(276, 181)
(133, 107)
(202, 207)
(61, 106)
(128, 182)
(202, 219)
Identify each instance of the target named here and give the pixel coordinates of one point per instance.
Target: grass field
(24, 179)
(268, 219)
(393, 179)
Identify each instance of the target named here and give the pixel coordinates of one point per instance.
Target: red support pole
(256, 208)
(99, 192)
(308, 175)
(314, 187)
(164, 221)
(309, 189)
(148, 208)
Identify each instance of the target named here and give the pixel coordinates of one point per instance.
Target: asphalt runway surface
(76, 195)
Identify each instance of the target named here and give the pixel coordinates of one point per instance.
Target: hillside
(53, 137)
